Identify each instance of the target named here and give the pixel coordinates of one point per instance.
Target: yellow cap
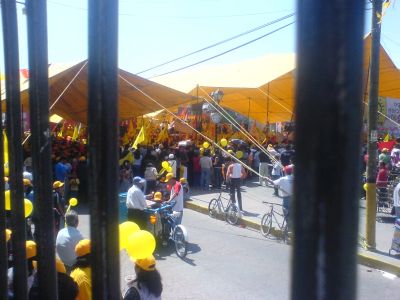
(158, 196)
(169, 176)
(57, 184)
(27, 182)
(30, 249)
(82, 248)
(147, 264)
(60, 267)
(8, 234)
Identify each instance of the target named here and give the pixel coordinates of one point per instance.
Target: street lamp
(215, 116)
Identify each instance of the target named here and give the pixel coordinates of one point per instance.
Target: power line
(221, 42)
(225, 52)
(178, 17)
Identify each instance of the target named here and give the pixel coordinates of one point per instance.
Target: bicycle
(164, 228)
(216, 208)
(266, 222)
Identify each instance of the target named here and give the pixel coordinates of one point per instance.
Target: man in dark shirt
(287, 156)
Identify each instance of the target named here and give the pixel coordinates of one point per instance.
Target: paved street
(227, 262)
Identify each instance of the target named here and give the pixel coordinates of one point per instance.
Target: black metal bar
(14, 130)
(328, 136)
(372, 123)
(3, 245)
(103, 147)
(41, 146)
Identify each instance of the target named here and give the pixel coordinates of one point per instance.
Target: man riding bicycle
(285, 185)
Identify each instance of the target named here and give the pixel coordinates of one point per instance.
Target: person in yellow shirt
(82, 272)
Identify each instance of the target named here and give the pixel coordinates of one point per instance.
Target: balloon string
(191, 127)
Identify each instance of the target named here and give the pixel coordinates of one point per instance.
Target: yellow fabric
(83, 277)
(140, 138)
(275, 100)
(73, 104)
(129, 157)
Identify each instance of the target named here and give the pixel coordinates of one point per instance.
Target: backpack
(133, 292)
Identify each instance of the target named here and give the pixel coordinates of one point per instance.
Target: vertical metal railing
(103, 147)
(41, 146)
(14, 131)
(3, 245)
(328, 130)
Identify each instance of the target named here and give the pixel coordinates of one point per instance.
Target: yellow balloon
(73, 202)
(365, 186)
(239, 154)
(206, 145)
(125, 230)
(28, 207)
(224, 142)
(7, 197)
(141, 244)
(169, 169)
(165, 164)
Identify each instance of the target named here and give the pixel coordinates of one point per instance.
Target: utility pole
(372, 122)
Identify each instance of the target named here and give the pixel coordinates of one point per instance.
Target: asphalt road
(226, 262)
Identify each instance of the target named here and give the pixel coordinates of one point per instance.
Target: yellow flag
(140, 138)
(60, 133)
(131, 130)
(76, 133)
(387, 138)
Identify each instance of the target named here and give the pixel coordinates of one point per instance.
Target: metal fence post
(14, 131)
(3, 244)
(328, 137)
(103, 147)
(41, 146)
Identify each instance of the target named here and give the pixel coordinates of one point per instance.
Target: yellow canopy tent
(72, 105)
(274, 101)
(282, 88)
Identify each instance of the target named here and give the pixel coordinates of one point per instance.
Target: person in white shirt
(136, 203)
(150, 174)
(67, 238)
(206, 167)
(285, 185)
(172, 162)
(396, 200)
(235, 173)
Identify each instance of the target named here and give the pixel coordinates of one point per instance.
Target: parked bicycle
(230, 213)
(164, 228)
(270, 219)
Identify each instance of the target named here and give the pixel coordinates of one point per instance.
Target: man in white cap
(136, 203)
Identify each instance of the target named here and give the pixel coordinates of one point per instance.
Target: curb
(366, 258)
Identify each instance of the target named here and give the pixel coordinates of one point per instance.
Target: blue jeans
(286, 210)
(205, 178)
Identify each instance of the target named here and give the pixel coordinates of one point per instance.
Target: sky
(152, 32)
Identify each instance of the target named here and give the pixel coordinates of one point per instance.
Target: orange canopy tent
(73, 104)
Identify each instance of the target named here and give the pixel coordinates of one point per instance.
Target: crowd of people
(143, 176)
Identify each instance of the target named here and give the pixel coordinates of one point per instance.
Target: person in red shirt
(382, 182)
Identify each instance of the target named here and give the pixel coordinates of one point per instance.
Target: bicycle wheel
(180, 242)
(266, 224)
(232, 214)
(213, 210)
